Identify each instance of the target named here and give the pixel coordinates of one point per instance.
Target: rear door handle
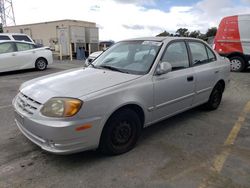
(190, 78)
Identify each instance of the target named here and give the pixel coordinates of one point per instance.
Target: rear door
(174, 91)
(8, 56)
(205, 69)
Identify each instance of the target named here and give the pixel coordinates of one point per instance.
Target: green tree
(195, 34)
(211, 32)
(182, 32)
(163, 34)
(203, 37)
(1, 28)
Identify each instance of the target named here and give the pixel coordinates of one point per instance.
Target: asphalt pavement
(195, 149)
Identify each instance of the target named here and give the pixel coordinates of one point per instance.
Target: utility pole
(7, 13)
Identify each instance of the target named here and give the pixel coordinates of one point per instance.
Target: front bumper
(60, 137)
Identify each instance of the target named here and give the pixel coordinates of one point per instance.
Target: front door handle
(190, 78)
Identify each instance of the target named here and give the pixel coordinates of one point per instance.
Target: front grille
(26, 104)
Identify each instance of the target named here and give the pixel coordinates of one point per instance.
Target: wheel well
(222, 83)
(236, 54)
(136, 108)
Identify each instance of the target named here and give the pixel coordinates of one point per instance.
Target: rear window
(4, 37)
(21, 38)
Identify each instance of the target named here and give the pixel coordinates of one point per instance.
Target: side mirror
(163, 68)
(88, 61)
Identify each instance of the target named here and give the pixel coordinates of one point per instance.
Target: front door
(174, 91)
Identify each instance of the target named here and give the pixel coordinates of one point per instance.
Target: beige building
(64, 35)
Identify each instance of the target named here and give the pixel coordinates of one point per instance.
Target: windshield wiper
(112, 68)
(90, 63)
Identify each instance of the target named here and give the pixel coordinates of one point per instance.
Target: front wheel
(120, 133)
(237, 64)
(41, 64)
(215, 98)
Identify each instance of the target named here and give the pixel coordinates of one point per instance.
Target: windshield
(133, 57)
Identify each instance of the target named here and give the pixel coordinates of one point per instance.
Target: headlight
(61, 107)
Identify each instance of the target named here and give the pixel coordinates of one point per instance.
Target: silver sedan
(132, 85)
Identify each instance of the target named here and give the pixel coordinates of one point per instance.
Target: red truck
(233, 41)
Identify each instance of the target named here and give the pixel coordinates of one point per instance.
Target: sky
(123, 19)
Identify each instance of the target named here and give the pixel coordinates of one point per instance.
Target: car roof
(162, 39)
(18, 41)
(13, 34)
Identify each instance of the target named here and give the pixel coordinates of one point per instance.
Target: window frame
(206, 47)
(188, 54)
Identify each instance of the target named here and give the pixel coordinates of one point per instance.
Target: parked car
(132, 85)
(16, 55)
(232, 41)
(16, 37)
(104, 45)
(92, 57)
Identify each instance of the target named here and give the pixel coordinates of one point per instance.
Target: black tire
(237, 64)
(215, 98)
(41, 64)
(121, 132)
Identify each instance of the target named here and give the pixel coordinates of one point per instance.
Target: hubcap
(121, 133)
(235, 64)
(41, 64)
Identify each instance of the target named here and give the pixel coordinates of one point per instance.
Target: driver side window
(177, 55)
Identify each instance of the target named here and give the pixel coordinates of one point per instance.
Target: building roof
(56, 21)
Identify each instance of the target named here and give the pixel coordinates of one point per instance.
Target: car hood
(75, 83)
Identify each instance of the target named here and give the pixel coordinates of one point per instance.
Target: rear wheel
(120, 133)
(237, 64)
(41, 64)
(215, 98)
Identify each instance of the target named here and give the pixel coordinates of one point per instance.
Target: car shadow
(16, 72)
(247, 70)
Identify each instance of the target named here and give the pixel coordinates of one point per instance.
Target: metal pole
(60, 51)
(70, 52)
(89, 48)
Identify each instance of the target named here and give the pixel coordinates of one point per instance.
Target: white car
(92, 57)
(17, 55)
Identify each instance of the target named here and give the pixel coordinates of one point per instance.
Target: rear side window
(211, 56)
(21, 38)
(199, 53)
(177, 55)
(4, 37)
(7, 47)
(23, 46)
